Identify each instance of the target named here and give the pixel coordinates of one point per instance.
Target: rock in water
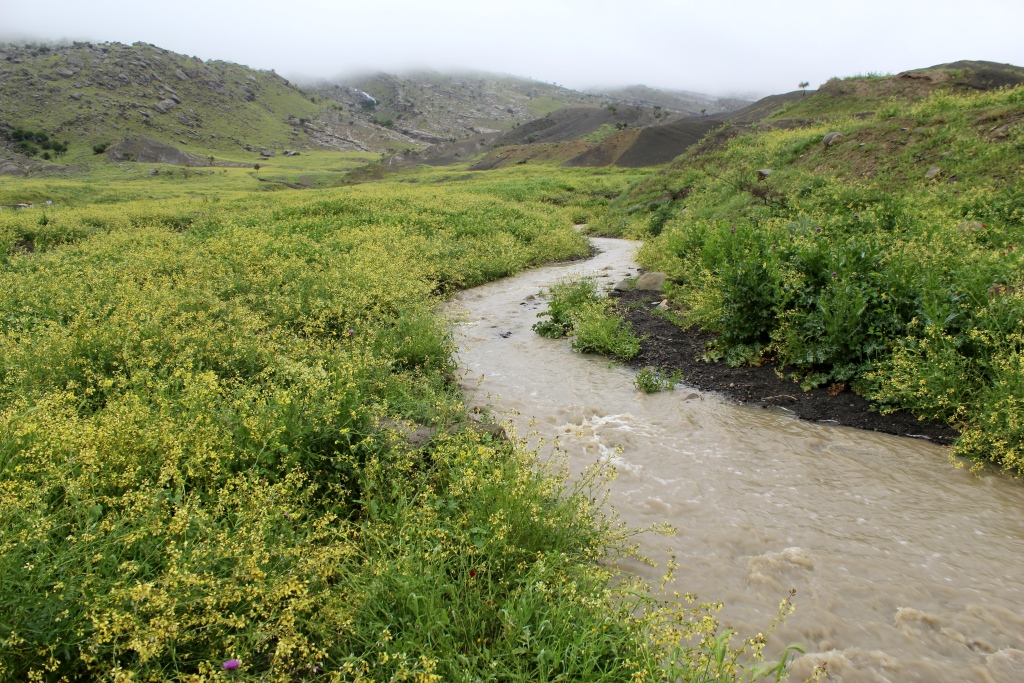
(651, 282)
(832, 138)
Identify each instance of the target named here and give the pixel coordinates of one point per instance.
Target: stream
(906, 569)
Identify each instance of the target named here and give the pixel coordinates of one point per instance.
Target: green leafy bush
(599, 331)
(652, 380)
(860, 270)
(564, 299)
(574, 307)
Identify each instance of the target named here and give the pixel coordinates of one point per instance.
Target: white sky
(718, 47)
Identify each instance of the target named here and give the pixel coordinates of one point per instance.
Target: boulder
(764, 173)
(66, 73)
(164, 106)
(651, 282)
(932, 172)
(621, 286)
(181, 75)
(291, 153)
(75, 96)
(663, 306)
(266, 152)
(147, 150)
(832, 138)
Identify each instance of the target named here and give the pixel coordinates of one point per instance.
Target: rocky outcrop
(147, 150)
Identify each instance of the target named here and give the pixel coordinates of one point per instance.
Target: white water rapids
(906, 569)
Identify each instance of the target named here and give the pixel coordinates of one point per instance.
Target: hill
(431, 107)
(677, 101)
(90, 94)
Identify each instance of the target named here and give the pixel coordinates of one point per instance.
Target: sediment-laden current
(906, 569)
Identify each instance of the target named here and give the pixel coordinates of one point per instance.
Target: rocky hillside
(432, 108)
(677, 101)
(92, 94)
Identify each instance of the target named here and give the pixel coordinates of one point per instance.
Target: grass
(600, 134)
(198, 458)
(575, 309)
(542, 106)
(849, 264)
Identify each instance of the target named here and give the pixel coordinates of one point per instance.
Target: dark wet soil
(667, 346)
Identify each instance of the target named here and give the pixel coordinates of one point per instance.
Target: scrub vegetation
(205, 473)
(889, 260)
(576, 309)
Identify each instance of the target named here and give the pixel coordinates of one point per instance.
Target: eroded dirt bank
(671, 348)
(905, 568)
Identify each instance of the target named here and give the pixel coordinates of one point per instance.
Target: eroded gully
(906, 569)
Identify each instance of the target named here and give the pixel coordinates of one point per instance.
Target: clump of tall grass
(575, 308)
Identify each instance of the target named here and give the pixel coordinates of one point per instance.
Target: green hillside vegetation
(91, 94)
(888, 260)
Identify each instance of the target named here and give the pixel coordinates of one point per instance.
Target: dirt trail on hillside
(905, 568)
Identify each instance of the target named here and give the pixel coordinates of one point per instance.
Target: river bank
(905, 568)
(672, 348)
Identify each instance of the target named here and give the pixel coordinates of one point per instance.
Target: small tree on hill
(803, 86)
(257, 167)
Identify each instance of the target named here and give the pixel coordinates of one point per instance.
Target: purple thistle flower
(231, 664)
(834, 273)
(817, 230)
(350, 332)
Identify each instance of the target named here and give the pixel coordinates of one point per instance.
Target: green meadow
(206, 383)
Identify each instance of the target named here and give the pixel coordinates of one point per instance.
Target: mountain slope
(430, 107)
(90, 94)
(677, 101)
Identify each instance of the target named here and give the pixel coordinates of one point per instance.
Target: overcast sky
(713, 46)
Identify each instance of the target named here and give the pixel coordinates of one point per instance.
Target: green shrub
(564, 299)
(598, 331)
(100, 147)
(652, 380)
(908, 290)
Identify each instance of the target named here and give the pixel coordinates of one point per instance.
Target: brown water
(905, 568)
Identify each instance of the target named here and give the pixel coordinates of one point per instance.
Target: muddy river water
(906, 569)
